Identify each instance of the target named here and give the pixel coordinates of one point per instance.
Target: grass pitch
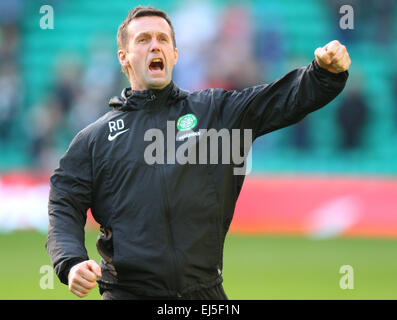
(255, 267)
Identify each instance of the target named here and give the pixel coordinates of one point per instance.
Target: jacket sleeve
(287, 100)
(69, 200)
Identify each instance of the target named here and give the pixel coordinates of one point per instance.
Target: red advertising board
(318, 206)
(297, 205)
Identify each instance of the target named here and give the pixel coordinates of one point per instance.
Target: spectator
(351, 120)
(10, 98)
(233, 65)
(45, 119)
(301, 135)
(67, 86)
(99, 79)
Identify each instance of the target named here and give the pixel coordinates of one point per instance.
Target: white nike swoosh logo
(111, 138)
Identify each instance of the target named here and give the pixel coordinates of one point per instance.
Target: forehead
(152, 24)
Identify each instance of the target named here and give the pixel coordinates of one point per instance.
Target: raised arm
(289, 99)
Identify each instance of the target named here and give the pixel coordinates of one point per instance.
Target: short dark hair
(137, 12)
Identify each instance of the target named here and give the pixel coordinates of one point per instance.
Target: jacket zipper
(168, 218)
(171, 238)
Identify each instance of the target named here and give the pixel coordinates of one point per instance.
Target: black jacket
(164, 225)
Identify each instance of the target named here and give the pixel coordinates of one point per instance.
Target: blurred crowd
(11, 89)
(232, 48)
(78, 97)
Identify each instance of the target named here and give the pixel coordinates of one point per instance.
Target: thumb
(94, 267)
(322, 56)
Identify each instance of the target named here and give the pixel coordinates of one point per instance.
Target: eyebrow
(145, 34)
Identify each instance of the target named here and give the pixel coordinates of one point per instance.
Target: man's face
(149, 55)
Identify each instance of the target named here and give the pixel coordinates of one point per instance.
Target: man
(163, 226)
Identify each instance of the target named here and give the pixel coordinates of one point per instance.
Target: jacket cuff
(342, 76)
(63, 276)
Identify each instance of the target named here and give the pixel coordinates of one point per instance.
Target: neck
(137, 87)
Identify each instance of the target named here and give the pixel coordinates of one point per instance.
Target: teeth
(156, 60)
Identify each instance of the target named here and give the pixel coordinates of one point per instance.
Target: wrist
(318, 68)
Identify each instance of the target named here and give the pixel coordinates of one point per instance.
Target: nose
(155, 47)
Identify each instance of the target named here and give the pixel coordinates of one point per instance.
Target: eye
(142, 40)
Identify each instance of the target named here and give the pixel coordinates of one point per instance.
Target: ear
(122, 55)
(176, 55)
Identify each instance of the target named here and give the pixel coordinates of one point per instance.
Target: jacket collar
(134, 99)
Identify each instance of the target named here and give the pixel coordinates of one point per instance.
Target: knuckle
(78, 274)
(84, 293)
(88, 286)
(82, 269)
(79, 268)
(77, 293)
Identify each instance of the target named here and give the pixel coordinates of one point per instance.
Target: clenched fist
(333, 57)
(82, 277)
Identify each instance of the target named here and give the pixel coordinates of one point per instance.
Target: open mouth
(156, 65)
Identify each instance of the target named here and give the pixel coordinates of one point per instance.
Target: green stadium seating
(306, 25)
